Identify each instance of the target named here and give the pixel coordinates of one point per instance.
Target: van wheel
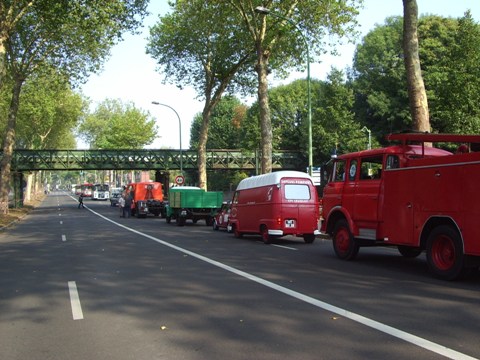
(265, 236)
(445, 256)
(309, 238)
(344, 244)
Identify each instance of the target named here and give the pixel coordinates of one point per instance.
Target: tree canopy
(114, 125)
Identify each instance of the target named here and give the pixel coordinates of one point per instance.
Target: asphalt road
(87, 284)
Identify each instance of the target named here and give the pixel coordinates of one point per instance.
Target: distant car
(114, 197)
(221, 218)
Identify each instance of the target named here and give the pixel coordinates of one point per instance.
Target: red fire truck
(410, 195)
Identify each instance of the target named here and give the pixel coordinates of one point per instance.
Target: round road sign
(179, 180)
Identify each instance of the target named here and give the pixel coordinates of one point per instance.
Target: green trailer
(192, 203)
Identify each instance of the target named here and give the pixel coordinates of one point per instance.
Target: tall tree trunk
(416, 87)
(202, 147)
(8, 145)
(265, 119)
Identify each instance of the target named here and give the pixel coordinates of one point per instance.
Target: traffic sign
(179, 180)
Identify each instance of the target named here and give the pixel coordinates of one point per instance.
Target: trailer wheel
(408, 251)
(309, 238)
(445, 256)
(344, 244)
(267, 239)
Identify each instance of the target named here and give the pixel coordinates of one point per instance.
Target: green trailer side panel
(194, 198)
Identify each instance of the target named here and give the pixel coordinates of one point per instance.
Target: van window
(297, 192)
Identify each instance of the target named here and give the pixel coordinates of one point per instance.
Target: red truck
(412, 196)
(147, 198)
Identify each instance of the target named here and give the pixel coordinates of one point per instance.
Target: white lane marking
(400, 334)
(284, 247)
(75, 301)
(64, 237)
(61, 222)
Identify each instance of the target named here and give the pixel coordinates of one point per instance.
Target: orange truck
(416, 197)
(148, 198)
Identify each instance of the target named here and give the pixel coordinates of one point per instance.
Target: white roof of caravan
(270, 179)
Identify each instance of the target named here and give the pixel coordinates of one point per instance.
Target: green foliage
(459, 97)
(49, 113)
(224, 125)
(201, 44)
(449, 55)
(114, 125)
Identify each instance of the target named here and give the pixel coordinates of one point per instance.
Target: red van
(274, 205)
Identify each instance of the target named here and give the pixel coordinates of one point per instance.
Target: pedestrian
(80, 201)
(127, 208)
(121, 205)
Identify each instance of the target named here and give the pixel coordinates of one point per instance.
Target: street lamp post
(179, 131)
(265, 11)
(369, 132)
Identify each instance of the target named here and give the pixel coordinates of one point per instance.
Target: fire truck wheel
(408, 251)
(265, 236)
(344, 244)
(445, 253)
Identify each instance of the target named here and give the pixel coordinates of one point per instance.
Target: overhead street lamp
(265, 11)
(179, 131)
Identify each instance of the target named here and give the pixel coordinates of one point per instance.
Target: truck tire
(215, 225)
(445, 256)
(168, 219)
(344, 244)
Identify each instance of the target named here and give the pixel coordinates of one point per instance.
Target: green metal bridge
(148, 159)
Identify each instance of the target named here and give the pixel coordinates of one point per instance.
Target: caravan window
(297, 192)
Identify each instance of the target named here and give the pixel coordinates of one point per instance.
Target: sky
(131, 75)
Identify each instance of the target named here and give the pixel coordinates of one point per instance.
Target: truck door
(367, 191)
(399, 200)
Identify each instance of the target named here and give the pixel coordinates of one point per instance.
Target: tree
(49, 114)
(225, 123)
(334, 125)
(115, 125)
(379, 79)
(416, 88)
(459, 97)
(200, 44)
(72, 36)
(280, 46)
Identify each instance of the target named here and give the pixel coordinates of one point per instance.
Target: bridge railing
(148, 159)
